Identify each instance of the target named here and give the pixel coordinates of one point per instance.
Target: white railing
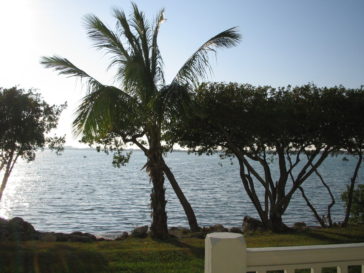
(227, 253)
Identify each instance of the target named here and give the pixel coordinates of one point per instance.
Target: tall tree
(25, 119)
(134, 112)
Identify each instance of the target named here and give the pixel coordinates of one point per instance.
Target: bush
(357, 208)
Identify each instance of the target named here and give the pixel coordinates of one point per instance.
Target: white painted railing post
(225, 253)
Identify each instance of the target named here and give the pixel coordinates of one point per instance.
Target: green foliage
(291, 129)
(138, 108)
(357, 207)
(25, 121)
(259, 117)
(135, 111)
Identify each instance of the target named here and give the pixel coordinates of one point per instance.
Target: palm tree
(135, 111)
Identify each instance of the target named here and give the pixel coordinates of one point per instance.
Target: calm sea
(81, 191)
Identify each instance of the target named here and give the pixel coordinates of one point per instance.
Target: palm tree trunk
(159, 228)
(192, 221)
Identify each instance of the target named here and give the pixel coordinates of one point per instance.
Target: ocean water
(81, 191)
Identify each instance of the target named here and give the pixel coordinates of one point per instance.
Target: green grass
(145, 255)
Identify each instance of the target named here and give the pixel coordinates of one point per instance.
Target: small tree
(357, 203)
(25, 119)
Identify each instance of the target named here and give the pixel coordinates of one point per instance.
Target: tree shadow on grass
(198, 252)
(333, 237)
(15, 258)
(345, 238)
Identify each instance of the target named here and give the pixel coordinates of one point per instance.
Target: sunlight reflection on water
(80, 190)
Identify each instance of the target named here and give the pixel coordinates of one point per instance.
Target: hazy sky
(284, 42)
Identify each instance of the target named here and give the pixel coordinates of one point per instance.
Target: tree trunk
(314, 211)
(329, 218)
(192, 221)
(9, 165)
(3, 184)
(159, 227)
(351, 190)
(276, 222)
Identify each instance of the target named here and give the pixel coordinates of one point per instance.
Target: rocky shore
(17, 229)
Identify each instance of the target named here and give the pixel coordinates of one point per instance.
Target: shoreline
(19, 229)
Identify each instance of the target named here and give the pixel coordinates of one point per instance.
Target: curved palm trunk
(192, 221)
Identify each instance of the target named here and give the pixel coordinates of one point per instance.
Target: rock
(81, 237)
(140, 232)
(123, 236)
(218, 228)
(20, 230)
(178, 232)
(236, 230)
(48, 237)
(62, 237)
(300, 226)
(3, 222)
(19, 224)
(17, 229)
(214, 228)
(251, 224)
(85, 234)
(4, 233)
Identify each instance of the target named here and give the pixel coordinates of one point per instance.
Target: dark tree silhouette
(25, 119)
(292, 130)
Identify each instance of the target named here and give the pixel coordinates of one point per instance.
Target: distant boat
(84, 156)
(345, 159)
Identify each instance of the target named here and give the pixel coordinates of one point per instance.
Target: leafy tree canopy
(25, 121)
(291, 129)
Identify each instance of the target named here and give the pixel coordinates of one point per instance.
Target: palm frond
(197, 65)
(101, 110)
(64, 67)
(174, 96)
(137, 78)
(104, 38)
(156, 58)
(123, 27)
(141, 26)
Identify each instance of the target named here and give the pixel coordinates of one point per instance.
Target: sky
(283, 42)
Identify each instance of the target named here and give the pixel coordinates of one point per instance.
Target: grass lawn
(145, 255)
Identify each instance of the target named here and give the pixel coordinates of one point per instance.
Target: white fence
(227, 253)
